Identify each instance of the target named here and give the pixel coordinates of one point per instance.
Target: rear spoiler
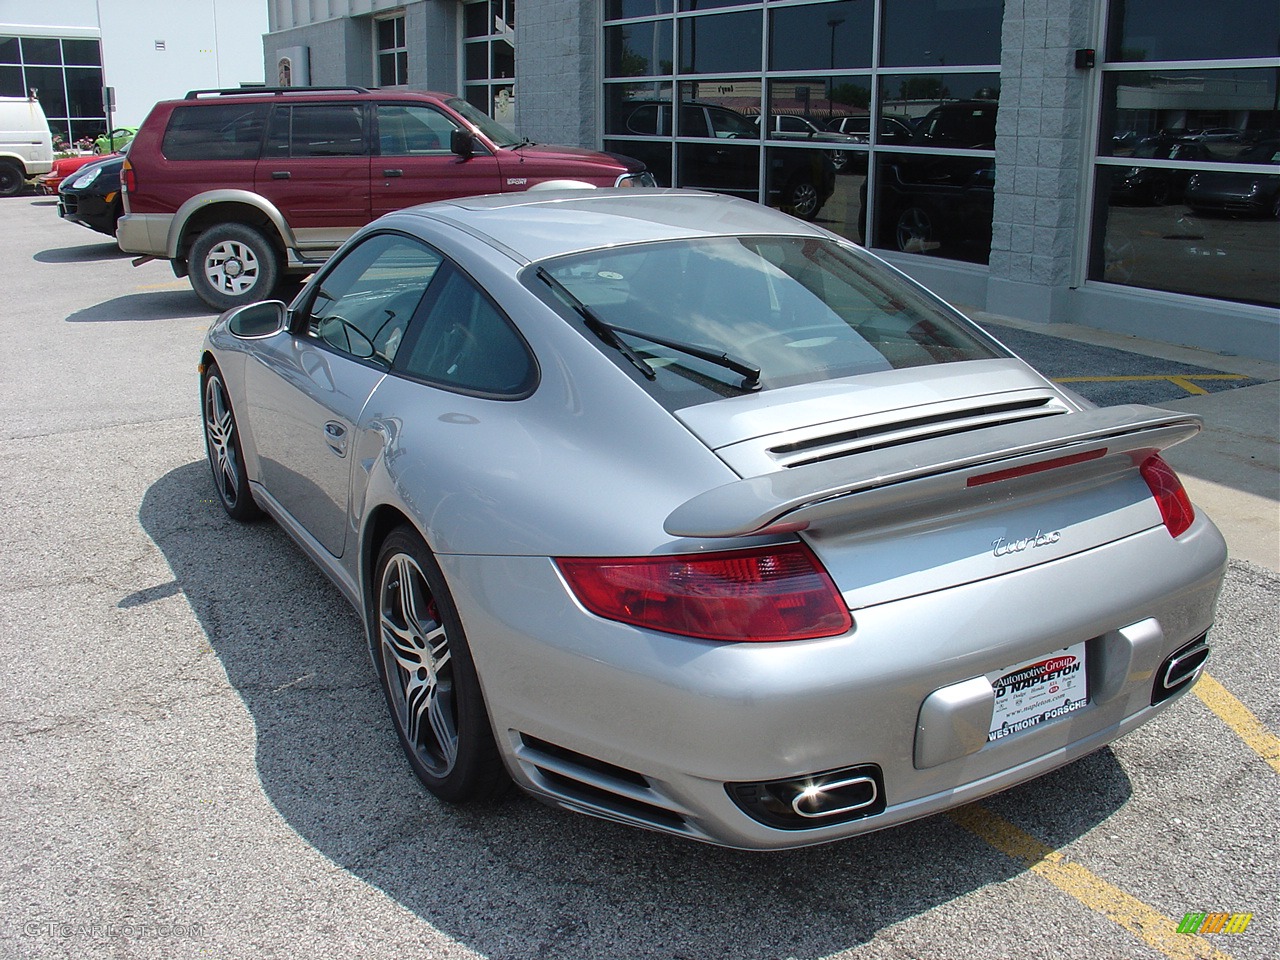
(1093, 442)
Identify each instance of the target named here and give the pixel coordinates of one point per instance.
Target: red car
(49, 183)
(240, 189)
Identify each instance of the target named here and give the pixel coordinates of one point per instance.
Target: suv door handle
(393, 173)
(335, 435)
(280, 175)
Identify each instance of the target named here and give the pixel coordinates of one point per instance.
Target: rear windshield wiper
(608, 332)
(750, 375)
(597, 326)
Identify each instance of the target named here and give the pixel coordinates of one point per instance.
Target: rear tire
(12, 179)
(232, 264)
(428, 676)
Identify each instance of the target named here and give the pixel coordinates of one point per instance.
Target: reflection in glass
(938, 33)
(821, 36)
(638, 49)
(944, 109)
(1185, 250)
(811, 110)
(935, 205)
(724, 43)
(654, 154)
(623, 9)
(41, 50)
(641, 109)
(1144, 184)
(1188, 30)
(1223, 109)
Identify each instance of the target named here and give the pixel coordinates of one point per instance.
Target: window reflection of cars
(963, 123)
(930, 204)
(798, 181)
(892, 130)
(1254, 194)
(789, 126)
(1156, 185)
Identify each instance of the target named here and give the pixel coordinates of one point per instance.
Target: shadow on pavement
(87, 253)
(160, 305)
(515, 879)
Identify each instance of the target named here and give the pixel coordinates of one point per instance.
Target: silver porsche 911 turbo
(680, 512)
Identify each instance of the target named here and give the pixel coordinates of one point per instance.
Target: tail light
(128, 179)
(764, 594)
(1171, 498)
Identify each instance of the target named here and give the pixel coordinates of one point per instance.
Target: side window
(410, 131)
(317, 130)
(363, 306)
(693, 123)
(213, 131)
(644, 120)
(466, 344)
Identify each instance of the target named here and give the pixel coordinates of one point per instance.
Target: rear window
(221, 131)
(799, 310)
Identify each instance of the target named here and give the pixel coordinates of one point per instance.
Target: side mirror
(463, 143)
(255, 321)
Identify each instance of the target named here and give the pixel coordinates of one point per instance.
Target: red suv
(240, 189)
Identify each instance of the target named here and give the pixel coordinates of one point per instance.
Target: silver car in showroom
(684, 513)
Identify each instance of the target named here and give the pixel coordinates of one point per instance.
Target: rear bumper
(144, 233)
(650, 728)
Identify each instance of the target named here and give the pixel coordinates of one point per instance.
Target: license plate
(1037, 691)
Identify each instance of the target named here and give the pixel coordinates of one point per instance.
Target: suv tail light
(1171, 498)
(763, 594)
(128, 179)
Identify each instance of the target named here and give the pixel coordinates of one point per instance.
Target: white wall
(207, 43)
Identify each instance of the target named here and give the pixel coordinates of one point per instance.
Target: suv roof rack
(252, 91)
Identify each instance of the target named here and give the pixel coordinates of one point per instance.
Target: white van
(26, 146)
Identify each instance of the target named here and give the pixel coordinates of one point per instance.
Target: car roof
(305, 94)
(536, 225)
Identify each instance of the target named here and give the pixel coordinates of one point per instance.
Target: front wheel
(916, 231)
(222, 443)
(233, 264)
(428, 676)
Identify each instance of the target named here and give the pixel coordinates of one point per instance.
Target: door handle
(280, 175)
(393, 173)
(335, 435)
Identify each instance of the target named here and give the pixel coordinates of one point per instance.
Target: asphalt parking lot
(195, 759)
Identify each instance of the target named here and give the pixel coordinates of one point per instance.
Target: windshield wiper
(597, 326)
(524, 142)
(750, 375)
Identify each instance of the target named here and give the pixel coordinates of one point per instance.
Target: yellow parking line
(1240, 719)
(1146, 923)
(1184, 380)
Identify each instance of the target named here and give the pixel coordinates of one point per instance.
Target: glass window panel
(927, 33)
(623, 9)
(476, 20)
(412, 131)
(477, 61)
(638, 49)
(943, 109)
(642, 109)
(393, 69)
(41, 50)
(11, 82)
(82, 52)
(842, 211)
(939, 206)
(504, 60)
(796, 36)
(723, 109)
(725, 166)
(49, 81)
(504, 12)
(654, 154)
(478, 97)
(1219, 250)
(725, 43)
(386, 34)
(9, 50)
(710, 4)
(810, 111)
(84, 92)
(1188, 30)
(1224, 109)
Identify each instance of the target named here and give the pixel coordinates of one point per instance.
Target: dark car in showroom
(1227, 191)
(91, 196)
(930, 204)
(1157, 185)
(799, 180)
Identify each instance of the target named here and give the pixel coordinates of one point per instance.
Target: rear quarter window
(221, 131)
